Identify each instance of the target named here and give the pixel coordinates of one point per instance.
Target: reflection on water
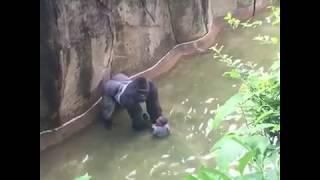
(189, 94)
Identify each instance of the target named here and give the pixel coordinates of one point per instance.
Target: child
(161, 127)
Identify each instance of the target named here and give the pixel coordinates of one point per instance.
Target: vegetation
(83, 177)
(253, 150)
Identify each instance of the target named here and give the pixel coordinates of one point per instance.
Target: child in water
(161, 127)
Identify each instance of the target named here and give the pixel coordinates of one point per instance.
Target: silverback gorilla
(126, 93)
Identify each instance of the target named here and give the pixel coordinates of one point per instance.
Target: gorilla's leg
(153, 103)
(136, 114)
(108, 107)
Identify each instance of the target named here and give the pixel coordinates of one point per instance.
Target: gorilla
(129, 94)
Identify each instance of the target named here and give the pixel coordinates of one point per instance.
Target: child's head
(161, 121)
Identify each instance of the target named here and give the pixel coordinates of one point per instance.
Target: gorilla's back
(113, 86)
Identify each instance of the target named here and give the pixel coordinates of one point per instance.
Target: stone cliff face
(188, 19)
(81, 40)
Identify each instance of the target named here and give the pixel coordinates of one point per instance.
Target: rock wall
(143, 34)
(83, 40)
(188, 19)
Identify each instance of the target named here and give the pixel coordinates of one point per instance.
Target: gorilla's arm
(153, 103)
(136, 114)
(108, 106)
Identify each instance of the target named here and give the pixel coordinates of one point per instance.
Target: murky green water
(189, 95)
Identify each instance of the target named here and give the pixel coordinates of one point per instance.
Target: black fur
(138, 91)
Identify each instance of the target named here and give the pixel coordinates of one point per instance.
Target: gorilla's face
(140, 89)
(142, 95)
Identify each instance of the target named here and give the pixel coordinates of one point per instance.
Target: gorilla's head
(139, 89)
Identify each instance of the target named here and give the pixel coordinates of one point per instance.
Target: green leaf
(251, 176)
(236, 62)
(277, 21)
(275, 159)
(255, 129)
(233, 74)
(275, 65)
(236, 139)
(190, 177)
(258, 142)
(213, 173)
(203, 175)
(271, 170)
(226, 151)
(228, 16)
(209, 127)
(84, 177)
(229, 107)
(271, 174)
(263, 115)
(276, 128)
(245, 160)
